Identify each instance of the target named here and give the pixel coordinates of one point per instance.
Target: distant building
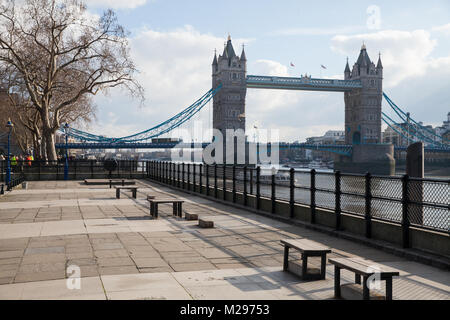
(330, 137)
(405, 134)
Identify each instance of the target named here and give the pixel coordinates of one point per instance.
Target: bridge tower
(363, 106)
(363, 121)
(229, 103)
(229, 70)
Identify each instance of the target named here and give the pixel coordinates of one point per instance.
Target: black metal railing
(77, 169)
(405, 201)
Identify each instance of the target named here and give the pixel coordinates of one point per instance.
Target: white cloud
(317, 31)
(413, 78)
(445, 29)
(405, 54)
(116, 4)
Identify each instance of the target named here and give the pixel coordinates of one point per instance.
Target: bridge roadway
(303, 83)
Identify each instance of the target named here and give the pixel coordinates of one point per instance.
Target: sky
(172, 43)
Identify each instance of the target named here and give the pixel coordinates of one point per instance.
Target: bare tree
(63, 55)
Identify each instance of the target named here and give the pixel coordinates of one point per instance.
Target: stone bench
(177, 206)
(133, 190)
(361, 268)
(307, 248)
(202, 223)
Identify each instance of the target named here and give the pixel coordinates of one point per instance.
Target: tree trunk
(50, 146)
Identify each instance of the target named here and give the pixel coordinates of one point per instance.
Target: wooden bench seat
(133, 190)
(177, 206)
(307, 248)
(362, 268)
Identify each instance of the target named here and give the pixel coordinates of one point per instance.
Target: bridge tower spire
(363, 106)
(229, 103)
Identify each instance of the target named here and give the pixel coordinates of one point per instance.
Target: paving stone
(31, 251)
(118, 270)
(114, 253)
(80, 255)
(82, 262)
(9, 261)
(39, 276)
(192, 266)
(11, 254)
(89, 271)
(42, 267)
(149, 262)
(6, 280)
(156, 270)
(44, 258)
(107, 246)
(114, 262)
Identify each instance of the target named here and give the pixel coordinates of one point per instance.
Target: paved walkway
(123, 254)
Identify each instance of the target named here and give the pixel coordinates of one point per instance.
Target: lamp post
(66, 164)
(10, 126)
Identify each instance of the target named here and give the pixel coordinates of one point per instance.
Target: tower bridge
(362, 87)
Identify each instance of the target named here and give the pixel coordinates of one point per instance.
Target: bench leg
(134, 193)
(337, 282)
(156, 210)
(180, 209)
(286, 257)
(323, 265)
(117, 193)
(357, 279)
(366, 292)
(151, 209)
(389, 289)
(175, 209)
(304, 266)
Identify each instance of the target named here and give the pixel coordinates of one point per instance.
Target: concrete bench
(202, 223)
(133, 190)
(190, 216)
(177, 206)
(307, 248)
(365, 269)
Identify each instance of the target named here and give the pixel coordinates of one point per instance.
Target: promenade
(124, 254)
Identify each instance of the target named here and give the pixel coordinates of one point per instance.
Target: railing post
(405, 211)
(273, 193)
(57, 170)
(216, 195)
(207, 179)
(234, 183)
(131, 168)
(224, 181)
(189, 176)
(245, 186)
(193, 177)
(39, 170)
(337, 208)
(251, 180)
(179, 175)
(258, 188)
(368, 210)
(313, 196)
(182, 175)
(200, 168)
(291, 192)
